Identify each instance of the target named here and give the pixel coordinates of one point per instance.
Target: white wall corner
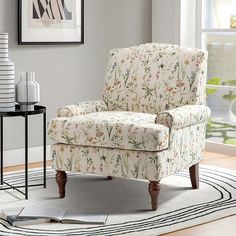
(174, 21)
(163, 21)
(188, 19)
(177, 21)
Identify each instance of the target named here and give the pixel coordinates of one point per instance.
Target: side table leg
(44, 150)
(1, 150)
(26, 156)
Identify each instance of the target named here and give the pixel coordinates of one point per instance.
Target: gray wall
(166, 21)
(68, 74)
(173, 22)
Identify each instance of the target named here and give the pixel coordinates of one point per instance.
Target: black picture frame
(40, 42)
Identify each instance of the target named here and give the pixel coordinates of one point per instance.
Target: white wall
(68, 74)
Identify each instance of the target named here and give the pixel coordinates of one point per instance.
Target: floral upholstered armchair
(149, 125)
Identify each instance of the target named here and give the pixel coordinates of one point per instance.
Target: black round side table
(37, 110)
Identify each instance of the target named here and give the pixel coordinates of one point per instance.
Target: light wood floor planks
(226, 226)
(21, 167)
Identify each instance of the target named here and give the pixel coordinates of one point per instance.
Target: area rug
(126, 202)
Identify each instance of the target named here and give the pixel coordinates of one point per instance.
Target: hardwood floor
(226, 226)
(21, 167)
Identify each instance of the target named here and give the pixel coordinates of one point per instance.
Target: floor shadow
(117, 196)
(96, 194)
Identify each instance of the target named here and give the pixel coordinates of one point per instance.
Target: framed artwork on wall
(51, 22)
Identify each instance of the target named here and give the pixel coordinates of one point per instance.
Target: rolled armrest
(183, 116)
(82, 108)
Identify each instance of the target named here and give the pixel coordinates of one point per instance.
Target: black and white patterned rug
(126, 202)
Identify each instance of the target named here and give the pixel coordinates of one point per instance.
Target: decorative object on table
(27, 91)
(179, 208)
(7, 77)
(51, 22)
(233, 21)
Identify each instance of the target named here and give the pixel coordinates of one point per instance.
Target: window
(217, 13)
(218, 35)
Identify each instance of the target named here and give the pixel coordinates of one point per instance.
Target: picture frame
(49, 22)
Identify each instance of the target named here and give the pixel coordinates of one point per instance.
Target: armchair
(149, 125)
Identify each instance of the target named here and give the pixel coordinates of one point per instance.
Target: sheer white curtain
(218, 13)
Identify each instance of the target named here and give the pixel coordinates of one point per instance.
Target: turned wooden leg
(194, 175)
(109, 177)
(61, 179)
(154, 189)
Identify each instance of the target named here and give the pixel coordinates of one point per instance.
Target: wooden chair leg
(194, 175)
(154, 189)
(61, 179)
(109, 177)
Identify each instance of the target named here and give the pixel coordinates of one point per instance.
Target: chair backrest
(155, 77)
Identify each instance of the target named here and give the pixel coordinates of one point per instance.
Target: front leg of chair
(109, 177)
(61, 179)
(154, 189)
(194, 175)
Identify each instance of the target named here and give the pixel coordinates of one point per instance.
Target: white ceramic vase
(7, 77)
(27, 91)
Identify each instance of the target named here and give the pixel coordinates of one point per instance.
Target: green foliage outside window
(221, 129)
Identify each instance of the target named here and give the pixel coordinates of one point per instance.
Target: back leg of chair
(194, 175)
(154, 189)
(61, 179)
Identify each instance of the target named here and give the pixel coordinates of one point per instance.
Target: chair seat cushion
(113, 129)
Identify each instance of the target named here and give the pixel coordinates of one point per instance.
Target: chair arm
(82, 108)
(184, 116)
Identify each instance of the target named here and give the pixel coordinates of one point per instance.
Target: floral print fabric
(151, 123)
(125, 130)
(82, 108)
(186, 148)
(152, 78)
(184, 116)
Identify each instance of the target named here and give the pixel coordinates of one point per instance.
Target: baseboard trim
(220, 148)
(17, 156)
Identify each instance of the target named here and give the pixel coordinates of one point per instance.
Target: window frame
(200, 31)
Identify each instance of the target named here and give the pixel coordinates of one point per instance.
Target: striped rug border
(221, 180)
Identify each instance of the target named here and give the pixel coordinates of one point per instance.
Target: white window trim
(199, 23)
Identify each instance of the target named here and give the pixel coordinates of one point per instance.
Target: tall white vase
(7, 77)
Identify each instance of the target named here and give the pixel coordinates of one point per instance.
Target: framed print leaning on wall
(51, 21)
